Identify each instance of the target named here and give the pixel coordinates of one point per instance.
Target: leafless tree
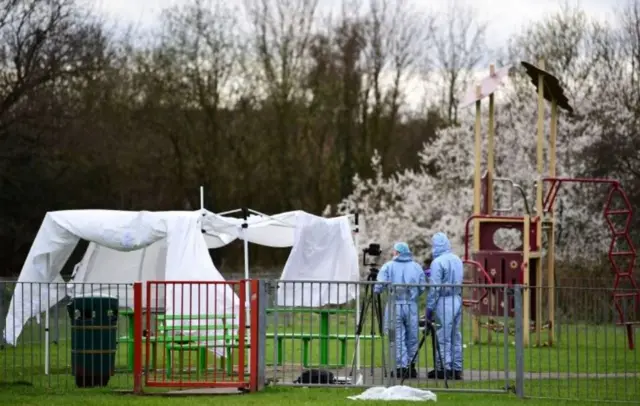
(566, 40)
(282, 32)
(460, 45)
(396, 37)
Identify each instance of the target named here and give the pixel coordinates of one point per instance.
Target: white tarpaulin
(323, 251)
(187, 258)
(397, 392)
(270, 231)
(107, 271)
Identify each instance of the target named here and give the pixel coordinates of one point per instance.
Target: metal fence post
(519, 331)
(507, 292)
(137, 337)
(258, 334)
(391, 333)
(3, 292)
(56, 317)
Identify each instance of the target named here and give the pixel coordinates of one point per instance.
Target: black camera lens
(374, 249)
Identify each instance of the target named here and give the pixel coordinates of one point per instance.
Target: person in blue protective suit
(445, 303)
(403, 270)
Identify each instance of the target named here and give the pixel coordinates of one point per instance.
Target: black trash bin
(94, 328)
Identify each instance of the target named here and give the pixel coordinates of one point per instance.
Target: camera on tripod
(374, 252)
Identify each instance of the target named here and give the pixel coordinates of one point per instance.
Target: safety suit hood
(404, 257)
(440, 244)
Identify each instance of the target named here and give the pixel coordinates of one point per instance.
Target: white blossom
(412, 205)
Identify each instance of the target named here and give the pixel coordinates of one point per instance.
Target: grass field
(588, 362)
(270, 396)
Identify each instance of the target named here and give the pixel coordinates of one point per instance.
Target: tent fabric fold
(126, 247)
(126, 233)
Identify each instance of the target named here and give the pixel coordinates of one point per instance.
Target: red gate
(192, 334)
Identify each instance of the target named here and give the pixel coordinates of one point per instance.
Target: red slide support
(617, 235)
(479, 268)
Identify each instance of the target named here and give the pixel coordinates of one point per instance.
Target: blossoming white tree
(412, 205)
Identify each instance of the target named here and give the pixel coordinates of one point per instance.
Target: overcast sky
(504, 16)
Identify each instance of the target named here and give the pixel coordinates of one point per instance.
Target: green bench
(128, 339)
(182, 343)
(306, 339)
(324, 335)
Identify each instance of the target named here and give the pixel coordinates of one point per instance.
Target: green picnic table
(324, 334)
(176, 340)
(128, 339)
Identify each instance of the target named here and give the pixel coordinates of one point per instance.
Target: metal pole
(46, 320)
(391, 334)
(245, 243)
(517, 296)
(137, 337)
(356, 239)
(2, 312)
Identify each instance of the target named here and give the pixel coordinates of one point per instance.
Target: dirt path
(288, 375)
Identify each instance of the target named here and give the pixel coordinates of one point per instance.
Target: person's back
(402, 271)
(446, 301)
(451, 266)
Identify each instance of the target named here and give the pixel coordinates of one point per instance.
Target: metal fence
(375, 351)
(359, 336)
(37, 346)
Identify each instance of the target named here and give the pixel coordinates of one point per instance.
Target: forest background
(277, 105)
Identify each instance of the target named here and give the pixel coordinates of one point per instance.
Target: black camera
(373, 250)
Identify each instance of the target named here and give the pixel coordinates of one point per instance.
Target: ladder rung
(623, 253)
(620, 234)
(624, 211)
(626, 294)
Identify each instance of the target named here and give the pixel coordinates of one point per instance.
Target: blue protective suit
(446, 302)
(403, 270)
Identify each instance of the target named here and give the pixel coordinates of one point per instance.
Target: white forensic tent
(323, 250)
(179, 233)
(140, 246)
(109, 271)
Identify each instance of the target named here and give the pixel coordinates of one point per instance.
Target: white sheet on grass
(323, 251)
(405, 393)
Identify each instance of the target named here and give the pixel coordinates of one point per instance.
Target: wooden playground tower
(524, 264)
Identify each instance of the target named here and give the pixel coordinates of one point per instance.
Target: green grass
(579, 349)
(271, 396)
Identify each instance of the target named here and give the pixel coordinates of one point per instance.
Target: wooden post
(540, 150)
(551, 260)
(539, 190)
(490, 148)
(490, 161)
(477, 187)
(526, 292)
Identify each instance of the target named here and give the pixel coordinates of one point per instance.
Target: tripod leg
(378, 309)
(363, 311)
(372, 334)
(413, 360)
(436, 350)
